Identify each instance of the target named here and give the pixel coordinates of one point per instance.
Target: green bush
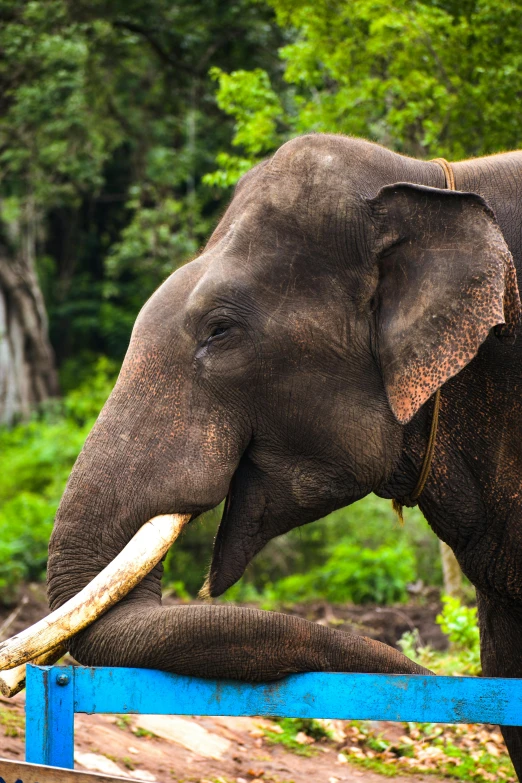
(360, 553)
(351, 573)
(35, 461)
(26, 522)
(459, 623)
(290, 728)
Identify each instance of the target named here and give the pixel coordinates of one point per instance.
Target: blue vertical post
(49, 715)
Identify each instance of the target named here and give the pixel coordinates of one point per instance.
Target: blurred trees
(27, 371)
(107, 123)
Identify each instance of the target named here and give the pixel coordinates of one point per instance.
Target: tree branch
(162, 53)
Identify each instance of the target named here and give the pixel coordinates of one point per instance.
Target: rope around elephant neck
(412, 499)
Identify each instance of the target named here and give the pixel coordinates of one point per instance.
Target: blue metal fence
(56, 693)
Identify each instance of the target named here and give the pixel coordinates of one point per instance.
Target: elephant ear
(445, 278)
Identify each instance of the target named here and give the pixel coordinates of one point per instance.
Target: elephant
(291, 368)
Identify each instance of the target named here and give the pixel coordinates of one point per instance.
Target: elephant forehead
(165, 309)
(263, 256)
(286, 297)
(224, 281)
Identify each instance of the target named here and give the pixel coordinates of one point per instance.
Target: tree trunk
(27, 369)
(451, 572)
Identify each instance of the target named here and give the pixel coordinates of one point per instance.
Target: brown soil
(244, 755)
(386, 624)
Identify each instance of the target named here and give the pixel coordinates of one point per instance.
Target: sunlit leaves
(249, 97)
(425, 78)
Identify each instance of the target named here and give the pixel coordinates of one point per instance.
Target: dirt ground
(216, 750)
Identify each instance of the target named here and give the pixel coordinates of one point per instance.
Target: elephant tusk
(12, 681)
(129, 567)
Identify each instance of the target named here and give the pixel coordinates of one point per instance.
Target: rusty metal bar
(21, 772)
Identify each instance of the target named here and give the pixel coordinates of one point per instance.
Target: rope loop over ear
(448, 172)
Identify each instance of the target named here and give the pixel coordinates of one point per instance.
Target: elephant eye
(217, 331)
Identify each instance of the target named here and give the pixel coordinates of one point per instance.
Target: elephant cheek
(243, 530)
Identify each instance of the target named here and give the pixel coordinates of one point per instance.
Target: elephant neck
(473, 495)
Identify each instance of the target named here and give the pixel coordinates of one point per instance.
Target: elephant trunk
(229, 642)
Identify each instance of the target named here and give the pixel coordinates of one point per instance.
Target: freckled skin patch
(345, 286)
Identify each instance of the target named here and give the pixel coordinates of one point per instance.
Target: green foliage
(108, 125)
(359, 554)
(461, 752)
(459, 623)
(25, 527)
(54, 139)
(124, 722)
(12, 723)
(35, 460)
(351, 574)
(290, 728)
(250, 99)
(425, 78)
(139, 732)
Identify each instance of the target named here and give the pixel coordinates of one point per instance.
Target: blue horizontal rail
(55, 693)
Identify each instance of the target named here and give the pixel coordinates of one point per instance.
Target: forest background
(124, 124)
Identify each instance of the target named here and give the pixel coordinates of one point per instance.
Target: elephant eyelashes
(218, 331)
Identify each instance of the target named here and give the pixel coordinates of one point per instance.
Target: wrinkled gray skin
(291, 368)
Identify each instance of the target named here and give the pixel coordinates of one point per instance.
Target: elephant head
(280, 369)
